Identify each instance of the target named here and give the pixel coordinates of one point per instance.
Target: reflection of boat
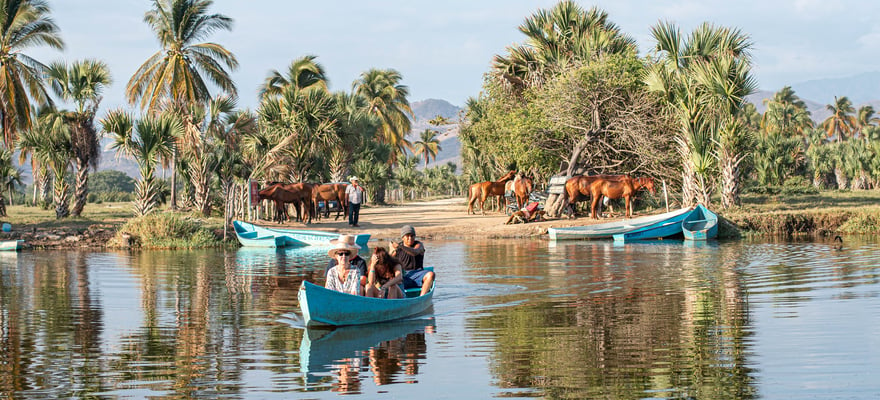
(11, 245)
(608, 230)
(700, 224)
(258, 236)
(322, 306)
(665, 228)
(320, 348)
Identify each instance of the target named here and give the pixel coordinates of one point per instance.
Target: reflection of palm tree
(24, 24)
(428, 144)
(81, 82)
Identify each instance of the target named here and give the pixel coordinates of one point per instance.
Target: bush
(164, 231)
(798, 185)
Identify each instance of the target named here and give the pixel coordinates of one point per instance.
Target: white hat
(353, 178)
(342, 246)
(347, 239)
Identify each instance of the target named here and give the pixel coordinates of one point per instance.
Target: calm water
(512, 319)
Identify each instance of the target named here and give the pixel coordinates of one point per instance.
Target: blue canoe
(325, 307)
(658, 230)
(609, 229)
(700, 224)
(256, 236)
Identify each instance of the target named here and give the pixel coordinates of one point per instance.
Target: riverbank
(831, 213)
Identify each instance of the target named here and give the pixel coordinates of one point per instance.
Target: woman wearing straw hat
(344, 277)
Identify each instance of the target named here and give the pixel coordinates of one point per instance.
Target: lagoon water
(511, 319)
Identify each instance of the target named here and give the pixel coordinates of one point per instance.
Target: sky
(443, 48)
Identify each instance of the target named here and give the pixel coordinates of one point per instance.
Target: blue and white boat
(256, 235)
(658, 230)
(609, 229)
(325, 307)
(700, 224)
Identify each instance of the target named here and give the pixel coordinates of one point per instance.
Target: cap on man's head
(407, 230)
(353, 179)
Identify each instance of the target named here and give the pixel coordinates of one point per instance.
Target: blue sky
(442, 48)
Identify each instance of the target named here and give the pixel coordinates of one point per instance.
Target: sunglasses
(343, 253)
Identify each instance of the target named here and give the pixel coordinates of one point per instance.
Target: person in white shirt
(355, 194)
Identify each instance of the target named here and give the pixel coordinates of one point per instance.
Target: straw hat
(353, 179)
(344, 242)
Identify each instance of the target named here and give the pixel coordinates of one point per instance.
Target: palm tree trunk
(45, 191)
(173, 200)
(62, 198)
(82, 188)
(840, 175)
(729, 184)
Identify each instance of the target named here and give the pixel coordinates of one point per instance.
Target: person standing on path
(355, 194)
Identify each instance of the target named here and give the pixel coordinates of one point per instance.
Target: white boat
(609, 229)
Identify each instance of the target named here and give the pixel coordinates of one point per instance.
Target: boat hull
(608, 230)
(11, 245)
(658, 230)
(254, 236)
(700, 224)
(325, 307)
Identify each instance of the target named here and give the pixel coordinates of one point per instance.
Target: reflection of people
(344, 277)
(355, 195)
(384, 276)
(411, 254)
(356, 260)
(385, 361)
(414, 349)
(349, 378)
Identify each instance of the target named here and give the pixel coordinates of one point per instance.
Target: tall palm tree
(23, 24)
(428, 144)
(387, 102)
(176, 75)
(82, 83)
(147, 140)
(10, 176)
(866, 119)
(303, 73)
(787, 114)
(50, 141)
(841, 123)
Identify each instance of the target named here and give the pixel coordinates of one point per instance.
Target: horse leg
(593, 204)
(629, 210)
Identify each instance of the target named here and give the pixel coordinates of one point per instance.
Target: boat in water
(252, 235)
(700, 224)
(325, 307)
(609, 229)
(11, 245)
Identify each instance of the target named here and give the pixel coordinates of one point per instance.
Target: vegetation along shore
(575, 97)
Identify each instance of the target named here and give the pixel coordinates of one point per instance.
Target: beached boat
(658, 230)
(609, 229)
(249, 237)
(322, 349)
(700, 224)
(11, 245)
(290, 237)
(325, 307)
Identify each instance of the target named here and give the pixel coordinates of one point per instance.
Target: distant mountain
(861, 88)
(426, 110)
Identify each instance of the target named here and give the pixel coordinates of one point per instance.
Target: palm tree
(387, 102)
(23, 24)
(786, 113)
(147, 140)
(428, 144)
(82, 83)
(10, 176)
(867, 118)
(50, 141)
(841, 123)
(304, 73)
(176, 75)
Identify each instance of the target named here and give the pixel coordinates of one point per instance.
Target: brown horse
(300, 194)
(624, 187)
(521, 186)
(331, 192)
(577, 188)
(489, 188)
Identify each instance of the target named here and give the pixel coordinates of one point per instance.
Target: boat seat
(413, 292)
(697, 221)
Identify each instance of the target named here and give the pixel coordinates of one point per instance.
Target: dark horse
(489, 188)
(521, 186)
(625, 187)
(300, 194)
(331, 192)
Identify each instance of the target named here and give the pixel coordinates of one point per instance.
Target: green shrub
(165, 231)
(861, 223)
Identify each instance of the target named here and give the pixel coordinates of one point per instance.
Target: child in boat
(384, 276)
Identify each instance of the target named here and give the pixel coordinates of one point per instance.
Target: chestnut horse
(521, 186)
(488, 188)
(625, 187)
(331, 192)
(300, 194)
(577, 188)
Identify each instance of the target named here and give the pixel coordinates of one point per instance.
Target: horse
(577, 188)
(490, 188)
(300, 194)
(521, 187)
(331, 192)
(473, 195)
(624, 187)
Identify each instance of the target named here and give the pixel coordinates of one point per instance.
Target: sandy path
(436, 219)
